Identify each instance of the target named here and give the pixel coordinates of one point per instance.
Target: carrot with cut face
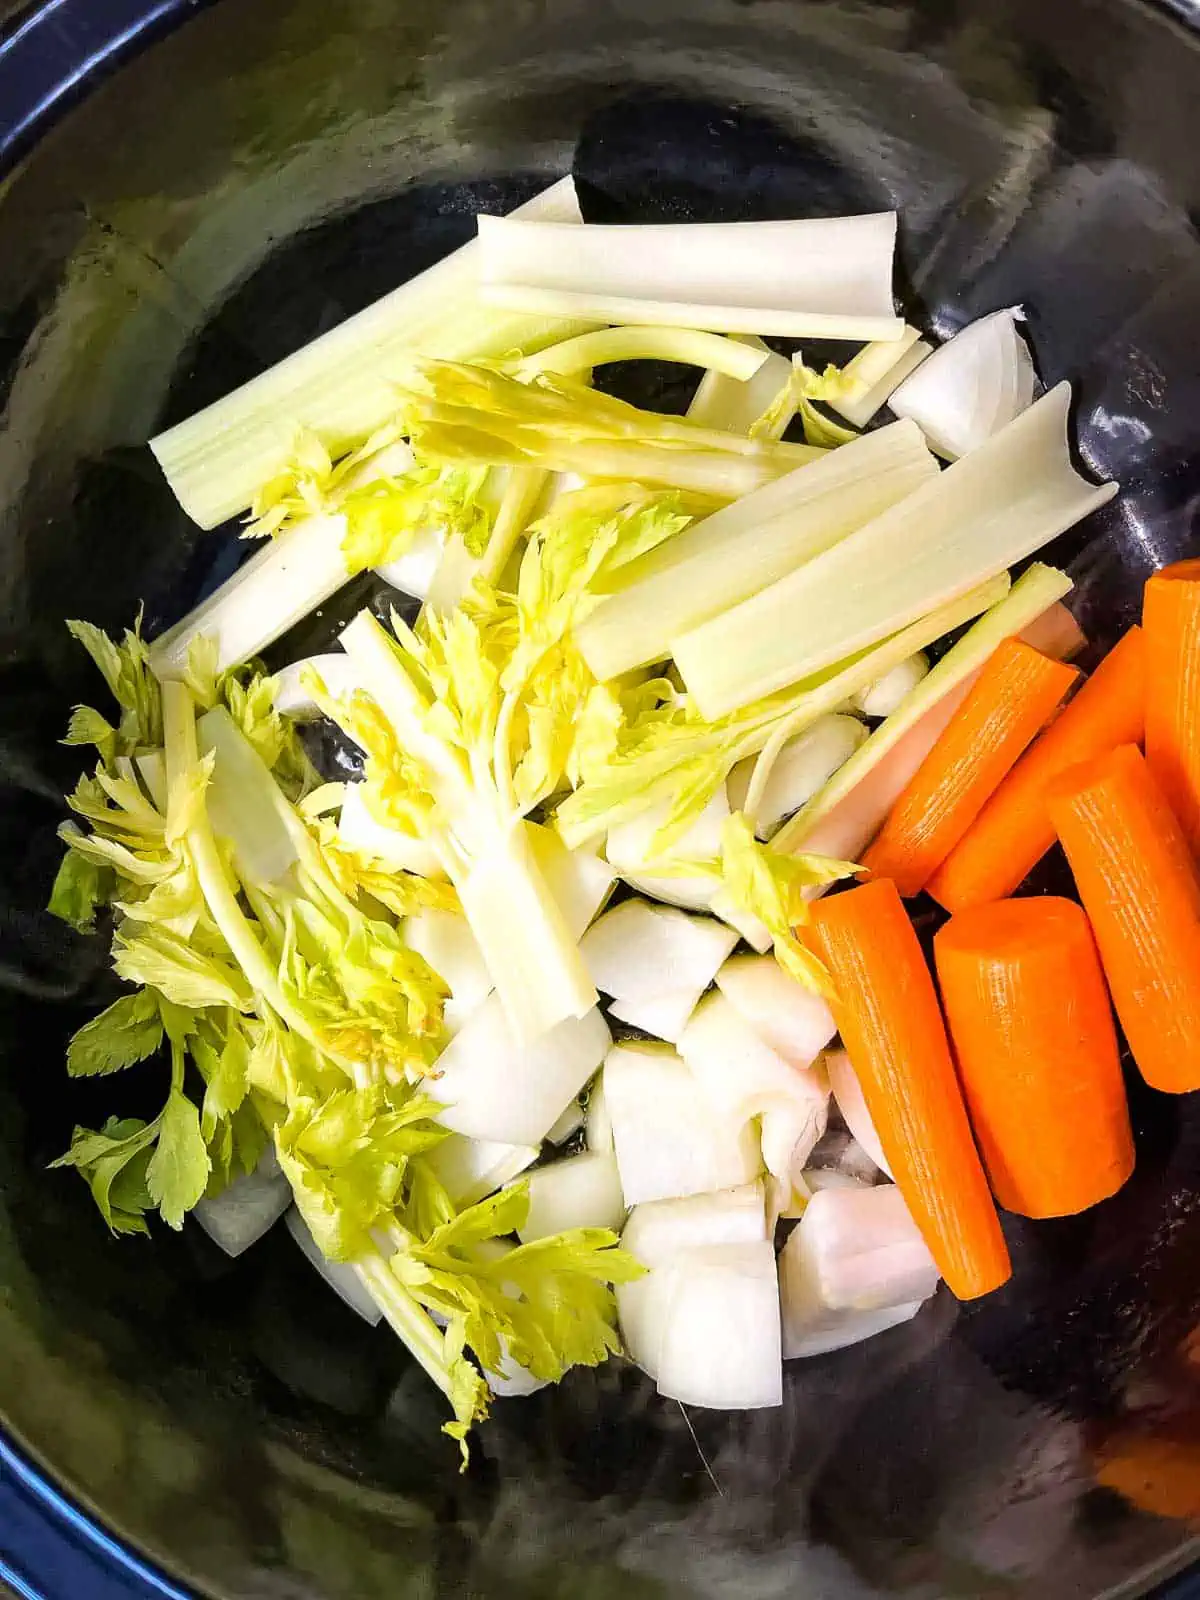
(1141, 891)
(1014, 831)
(1033, 1034)
(1171, 623)
(1013, 698)
(887, 1012)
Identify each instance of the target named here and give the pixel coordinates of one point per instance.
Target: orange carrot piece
(1033, 1034)
(1140, 888)
(1013, 832)
(887, 1012)
(1012, 700)
(1171, 623)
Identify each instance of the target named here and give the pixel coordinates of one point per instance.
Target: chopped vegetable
(341, 1278)
(1171, 625)
(1014, 831)
(720, 1339)
(1016, 694)
(568, 1125)
(857, 1264)
(641, 952)
(1033, 1035)
(445, 940)
(597, 1123)
(471, 1169)
(743, 548)
(662, 1016)
(1139, 886)
(584, 1191)
(887, 1013)
(242, 1214)
(828, 277)
(988, 511)
(875, 373)
(669, 1141)
(732, 358)
(293, 694)
(789, 1018)
(852, 1103)
(970, 388)
(802, 768)
(340, 387)
(847, 813)
(887, 694)
(633, 848)
(733, 407)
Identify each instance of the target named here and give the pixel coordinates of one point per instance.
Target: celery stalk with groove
(985, 513)
(339, 387)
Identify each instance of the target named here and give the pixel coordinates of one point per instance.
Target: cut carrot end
(1032, 1030)
(891, 1024)
(1140, 889)
(1171, 622)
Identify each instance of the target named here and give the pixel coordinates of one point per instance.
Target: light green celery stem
(784, 715)
(525, 487)
(342, 385)
(182, 756)
(684, 345)
(407, 1319)
(1034, 592)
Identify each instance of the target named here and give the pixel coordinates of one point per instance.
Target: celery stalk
(729, 357)
(733, 406)
(876, 372)
(826, 277)
(340, 386)
(749, 545)
(1036, 590)
(987, 512)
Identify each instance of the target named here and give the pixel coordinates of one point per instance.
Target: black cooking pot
(222, 183)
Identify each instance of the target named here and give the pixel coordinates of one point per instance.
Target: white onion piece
(796, 1023)
(663, 1017)
(341, 1278)
(584, 1191)
(336, 672)
(245, 1211)
(971, 387)
(669, 1141)
(742, 1077)
(493, 1087)
(815, 1179)
(804, 765)
(640, 952)
(720, 1344)
(881, 698)
(879, 369)
(578, 879)
(811, 1332)
(598, 1124)
(413, 571)
(657, 1232)
(631, 850)
(569, 1123)
(754, 931)
(401, 852)
(471, 1169)
(855, 1251)
(513, 1382)
(847, 1092)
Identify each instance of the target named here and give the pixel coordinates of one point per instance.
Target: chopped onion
(492, 1087)
(399, 851)
(341, 1278)
(336, 672)
(669, 1140)
(471, 1169)
(803, 766)
(796, 1023)
(445, 939)
(657, 1233)
(598, 1124)
(815, 1179)
(632, 851)
(855, 1251)
(847, 1092)
(638, 951)
(754, 931)
(513, 1382)
(584, 1191)
(881, 698)
(742, 1077)
(720, 1344)
(663, 1017)
(569, 1123)
(245, 1211)
(971, 387)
